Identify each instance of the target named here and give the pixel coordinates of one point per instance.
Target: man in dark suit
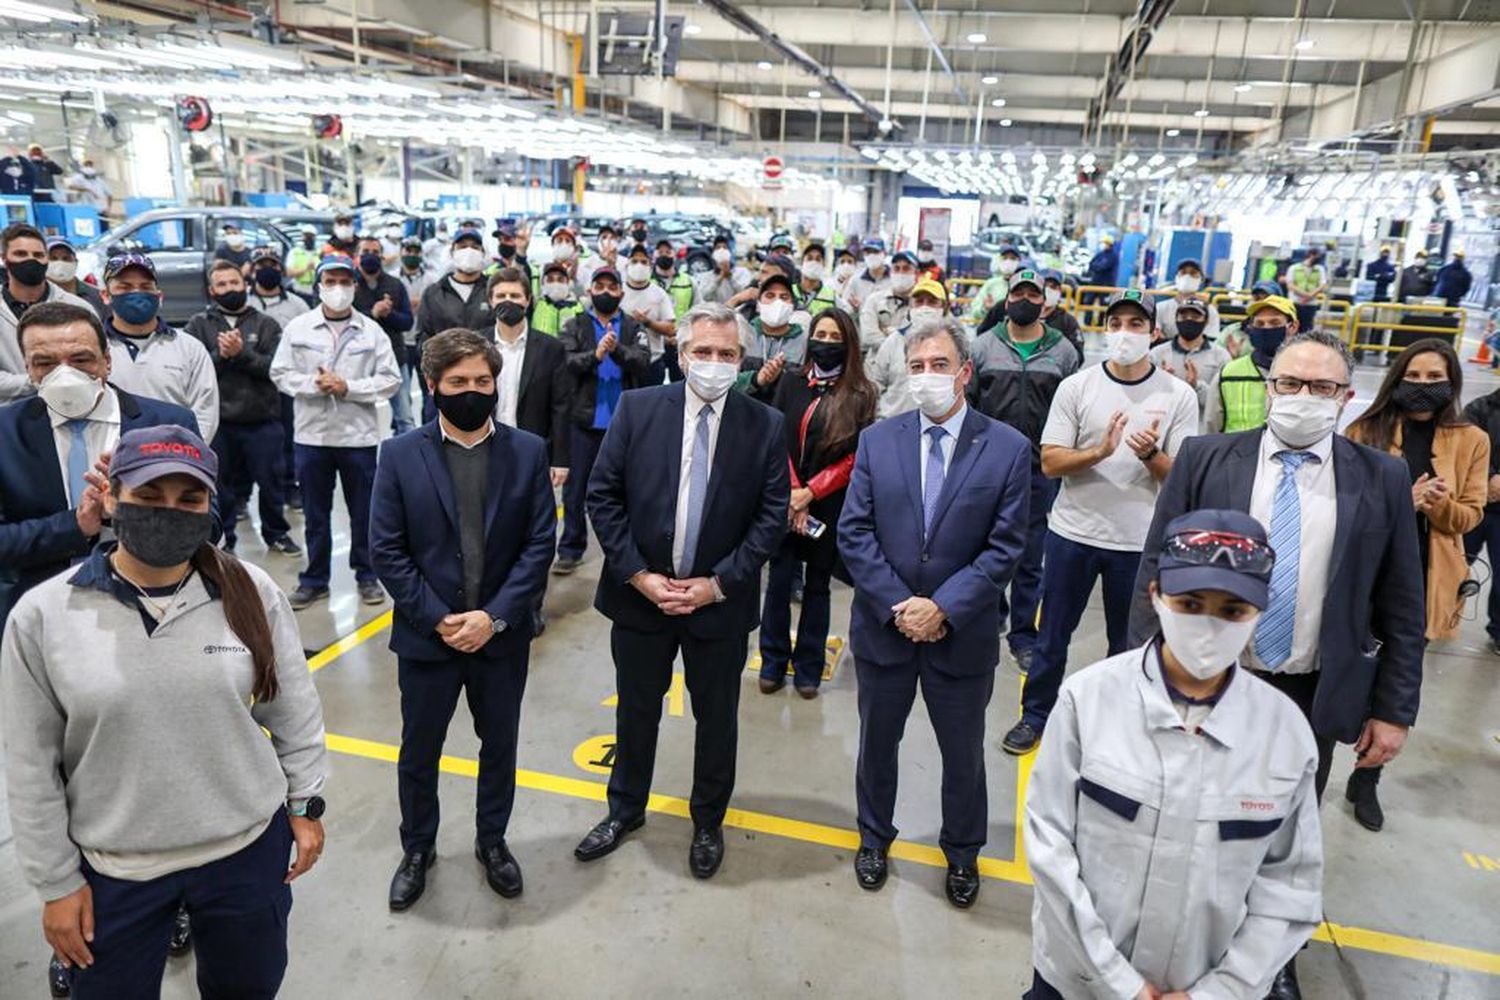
(460, 484)
(1342, 634)
(689, 499)
(50, 443)
(535, 389)
(932, 531)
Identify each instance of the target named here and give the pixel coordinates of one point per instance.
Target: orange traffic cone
(1482, 356)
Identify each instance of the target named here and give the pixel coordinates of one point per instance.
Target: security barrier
(961, 301)
(1089, 310)
(1366, 330)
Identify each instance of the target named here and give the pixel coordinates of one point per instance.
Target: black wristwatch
(1150, 454)
(312, 808)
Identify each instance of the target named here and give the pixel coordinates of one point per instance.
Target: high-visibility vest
(1242, 387)
(547, 318)
(682, 292)
(825, 297)
(1304, 278)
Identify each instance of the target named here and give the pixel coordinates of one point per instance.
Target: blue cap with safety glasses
(122, 261)
(1216, 550)
(336, 262)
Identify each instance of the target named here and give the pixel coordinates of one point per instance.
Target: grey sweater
(116, 740)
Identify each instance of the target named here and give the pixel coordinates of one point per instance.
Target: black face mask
(160, 536)
(826, 354)
(369, 263)
(28, 272)
(1423, 397)
(231, 302)
(467, 410)
(1265, 340)
(1190, 329)
(664, 264)
(268, 277)
(507, 251)
(510, 313)
(1023, 312)
(639, 235)
(605, 303)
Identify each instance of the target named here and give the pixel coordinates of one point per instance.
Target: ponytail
(245, 612)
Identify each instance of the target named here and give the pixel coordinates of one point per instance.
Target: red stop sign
(773, 167)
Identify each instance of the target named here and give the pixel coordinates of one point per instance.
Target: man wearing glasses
(1342, 632)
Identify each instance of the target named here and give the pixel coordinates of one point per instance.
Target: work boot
(1361, 792)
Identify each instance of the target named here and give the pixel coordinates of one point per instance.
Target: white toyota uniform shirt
(1318, 499)
(101, 435)
(171, 366)
(658, 307)
(1109, 506)
(693, 404)
(512, 357)
(360, 354)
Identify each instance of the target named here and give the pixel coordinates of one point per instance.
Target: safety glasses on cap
(1206, 548)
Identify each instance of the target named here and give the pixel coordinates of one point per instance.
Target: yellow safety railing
(957, 298)
(1089, 308)
(1366, 316)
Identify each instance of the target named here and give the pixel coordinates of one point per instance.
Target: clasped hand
(920, 619)
(672, 596)
(466, 631)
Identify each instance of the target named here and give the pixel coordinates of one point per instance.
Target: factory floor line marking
(1015, 871)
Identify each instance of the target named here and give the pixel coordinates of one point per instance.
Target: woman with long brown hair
(134, 691)
(1416, 415)
(826, 404)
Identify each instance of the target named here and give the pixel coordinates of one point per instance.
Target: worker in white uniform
(1171, 823)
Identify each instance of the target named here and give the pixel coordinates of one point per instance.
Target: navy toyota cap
(148, 453)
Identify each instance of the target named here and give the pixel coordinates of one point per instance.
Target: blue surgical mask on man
(135, 308)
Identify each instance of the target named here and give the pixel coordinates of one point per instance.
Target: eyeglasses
(1286, 385)
(1204, 548)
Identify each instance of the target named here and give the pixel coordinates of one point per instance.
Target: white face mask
(1303, 420)
(62, 270)
(812, 270)
(70, 392)
(557, 291)
(711, 379)
(343, 232)
(469, 260)
(922, 316)
(637, 273)
(1126, 348)
(902, 284)
(563, 251)
(1189, 282)
(234, 241)
(775, 312)
(1205, 645)
(924, 256)
(934, 393)
(1008, 265)
(874, 261)
(337, 298)
(844, 271)
(1051, 297)
(722, 256)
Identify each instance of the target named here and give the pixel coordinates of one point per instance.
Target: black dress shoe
(410, 880)
(1284, 986)
(1021, 740)
(962, 885)
(182, 934)
(871, 867)
(1361, 792)
(500, 869)
(604, 838)
(707, 852)
(59, 978)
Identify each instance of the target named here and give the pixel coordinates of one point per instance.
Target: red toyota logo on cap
(172, 448)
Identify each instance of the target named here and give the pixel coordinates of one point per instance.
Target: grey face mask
(160, 536)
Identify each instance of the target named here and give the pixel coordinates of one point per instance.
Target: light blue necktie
(78, 461)
(935, 477)
(1273, 633)
(697, 491)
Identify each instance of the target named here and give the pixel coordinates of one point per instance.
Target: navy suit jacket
(632, 503)
(414, 540)
(966, 561)
(1374, 613)
(39, 533)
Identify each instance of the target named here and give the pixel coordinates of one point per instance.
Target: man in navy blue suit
(469, 486)
(689, 499)
(932, 530)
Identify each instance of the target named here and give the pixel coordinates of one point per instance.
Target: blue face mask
(136, 308)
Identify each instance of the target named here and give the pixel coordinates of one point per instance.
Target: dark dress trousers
(963, 564)
(417, 548)
(632, 504)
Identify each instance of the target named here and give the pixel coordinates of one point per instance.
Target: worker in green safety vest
(678, 286)
(817, 294)
(1237, 397)
(997, 287)
(302, 259)
(558, 303)
(1307, 280)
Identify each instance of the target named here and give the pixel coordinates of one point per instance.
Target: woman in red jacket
(826, 404)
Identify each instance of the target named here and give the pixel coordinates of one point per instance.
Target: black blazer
(632, 503)
(546, 392)
(631, 354)
(415, 549)
(1374, 614)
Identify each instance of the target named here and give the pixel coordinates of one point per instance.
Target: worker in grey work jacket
(1171, 824)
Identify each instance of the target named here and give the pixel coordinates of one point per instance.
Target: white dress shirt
(694, 404)
(512, 355)
(101, 435)
(1319, 502)
(948, 442)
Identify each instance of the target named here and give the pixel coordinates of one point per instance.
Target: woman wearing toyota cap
(139, 776)
(1171, 825)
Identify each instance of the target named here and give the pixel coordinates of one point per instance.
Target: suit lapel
(495, 478)
(528, 367)
(1347, 493)
(722, 447)
(36, 436)
(966, 451)
(909, 451)
(1240, 474)
(437, 471)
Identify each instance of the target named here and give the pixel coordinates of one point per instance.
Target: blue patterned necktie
(78, 461)
(697, 491)
(1273, 633)
(935, 476)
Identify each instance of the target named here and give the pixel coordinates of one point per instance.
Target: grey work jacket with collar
(1193, 861)
(361, 356)
(14, 381)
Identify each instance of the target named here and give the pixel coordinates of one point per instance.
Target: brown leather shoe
(771, 687)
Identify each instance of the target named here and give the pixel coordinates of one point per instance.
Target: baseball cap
(557, 267)
(1135, 297)
(566, 232)
(123, 261)
(874, 243)
(265, 253)
(1027, 276)
(777, 279)
(505, 230)
(1192, 262)
(930, 287)
(1268, 287)
(468, 233)
(1278, 302)
(1006, 248)
(781, 240)
(148, 453)
(336, 262)
(411, 243)
(605, 273)
(1192, 302)
(1458, 251)
(1106, 238)
(640, 249)
(907, 256)
(59, 241)
(1216, 550)
(1052, 274)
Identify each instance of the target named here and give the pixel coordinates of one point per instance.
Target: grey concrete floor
(1414, 906)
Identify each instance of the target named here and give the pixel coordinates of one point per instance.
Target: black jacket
(443, 309)
(546, 391)
(246, 393)
(398, 320)
(1484, 413)
(577, 339)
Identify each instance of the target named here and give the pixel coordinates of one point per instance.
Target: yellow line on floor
(339, 647)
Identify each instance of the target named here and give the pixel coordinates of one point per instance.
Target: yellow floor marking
(1357, 938)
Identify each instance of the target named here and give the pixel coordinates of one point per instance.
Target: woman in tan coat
(1416, 415)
